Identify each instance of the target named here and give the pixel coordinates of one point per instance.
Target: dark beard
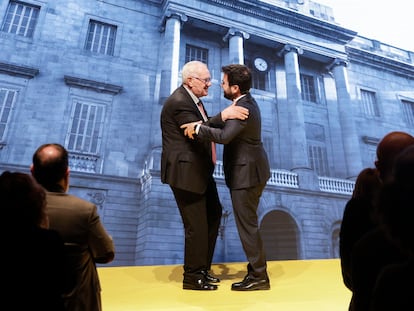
(228, 96)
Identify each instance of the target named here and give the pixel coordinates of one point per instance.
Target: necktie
(213, 145)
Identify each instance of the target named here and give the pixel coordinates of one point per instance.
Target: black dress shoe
(251, 284)
(210, 278)
(199, 284)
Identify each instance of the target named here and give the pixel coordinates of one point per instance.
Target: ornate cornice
(18, 71)
(380, 62)
(276, 15)
(289, 48)
(336, 62)
(236, 32)
(172, 14)
(100, 87)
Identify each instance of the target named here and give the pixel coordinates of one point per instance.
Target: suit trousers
(245, 203)
(201, 216)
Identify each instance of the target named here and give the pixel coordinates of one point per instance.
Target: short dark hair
(240, 75)
(49, 170)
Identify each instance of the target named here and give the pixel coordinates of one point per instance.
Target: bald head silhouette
(388, 148)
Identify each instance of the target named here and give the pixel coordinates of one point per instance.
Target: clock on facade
(260, 64)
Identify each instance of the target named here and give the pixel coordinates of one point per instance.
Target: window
(318, 159)
(259, 80)
(101, 38)
(196, 53)
(20, 19)
(307, 83)
(369, 103)
(85, 130)
(7, 98)
(408, 110)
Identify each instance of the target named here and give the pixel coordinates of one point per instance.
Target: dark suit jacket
(185, 163)
(86, 243)
(244, 158)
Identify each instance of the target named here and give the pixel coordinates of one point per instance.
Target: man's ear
(31, 168)
(66, 180)
(235, 90)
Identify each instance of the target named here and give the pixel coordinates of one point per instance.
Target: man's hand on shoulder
(234, 112)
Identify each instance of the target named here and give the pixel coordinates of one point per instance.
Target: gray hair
(191, 69)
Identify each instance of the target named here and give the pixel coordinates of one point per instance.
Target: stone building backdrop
(93, 76)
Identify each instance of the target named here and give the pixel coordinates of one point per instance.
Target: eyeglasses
(205, 81)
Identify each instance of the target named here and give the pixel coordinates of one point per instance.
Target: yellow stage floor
(297, 285)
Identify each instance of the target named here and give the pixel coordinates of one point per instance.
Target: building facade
(93, 76)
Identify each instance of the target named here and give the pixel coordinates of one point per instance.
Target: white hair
(191, 69)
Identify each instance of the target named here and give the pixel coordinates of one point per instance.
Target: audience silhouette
(358, 217)
(361, 239)
(394, 286)
(34, 271)
(77, 221)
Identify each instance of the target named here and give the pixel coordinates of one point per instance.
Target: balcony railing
(336, 185)
(289, 179)
(283, 178)
(80, 162)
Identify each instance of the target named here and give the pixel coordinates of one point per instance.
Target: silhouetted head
(403, 170)
(50, 166)
(388, 149)
(367, 184)
(396, 202)
(23, 201)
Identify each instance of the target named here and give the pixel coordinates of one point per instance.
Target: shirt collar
(235, 100)
(195, 98)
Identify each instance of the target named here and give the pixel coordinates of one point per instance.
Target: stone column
(236, 40)
(296, 121)
(170, 46)
(349, 134)
(170, 52)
